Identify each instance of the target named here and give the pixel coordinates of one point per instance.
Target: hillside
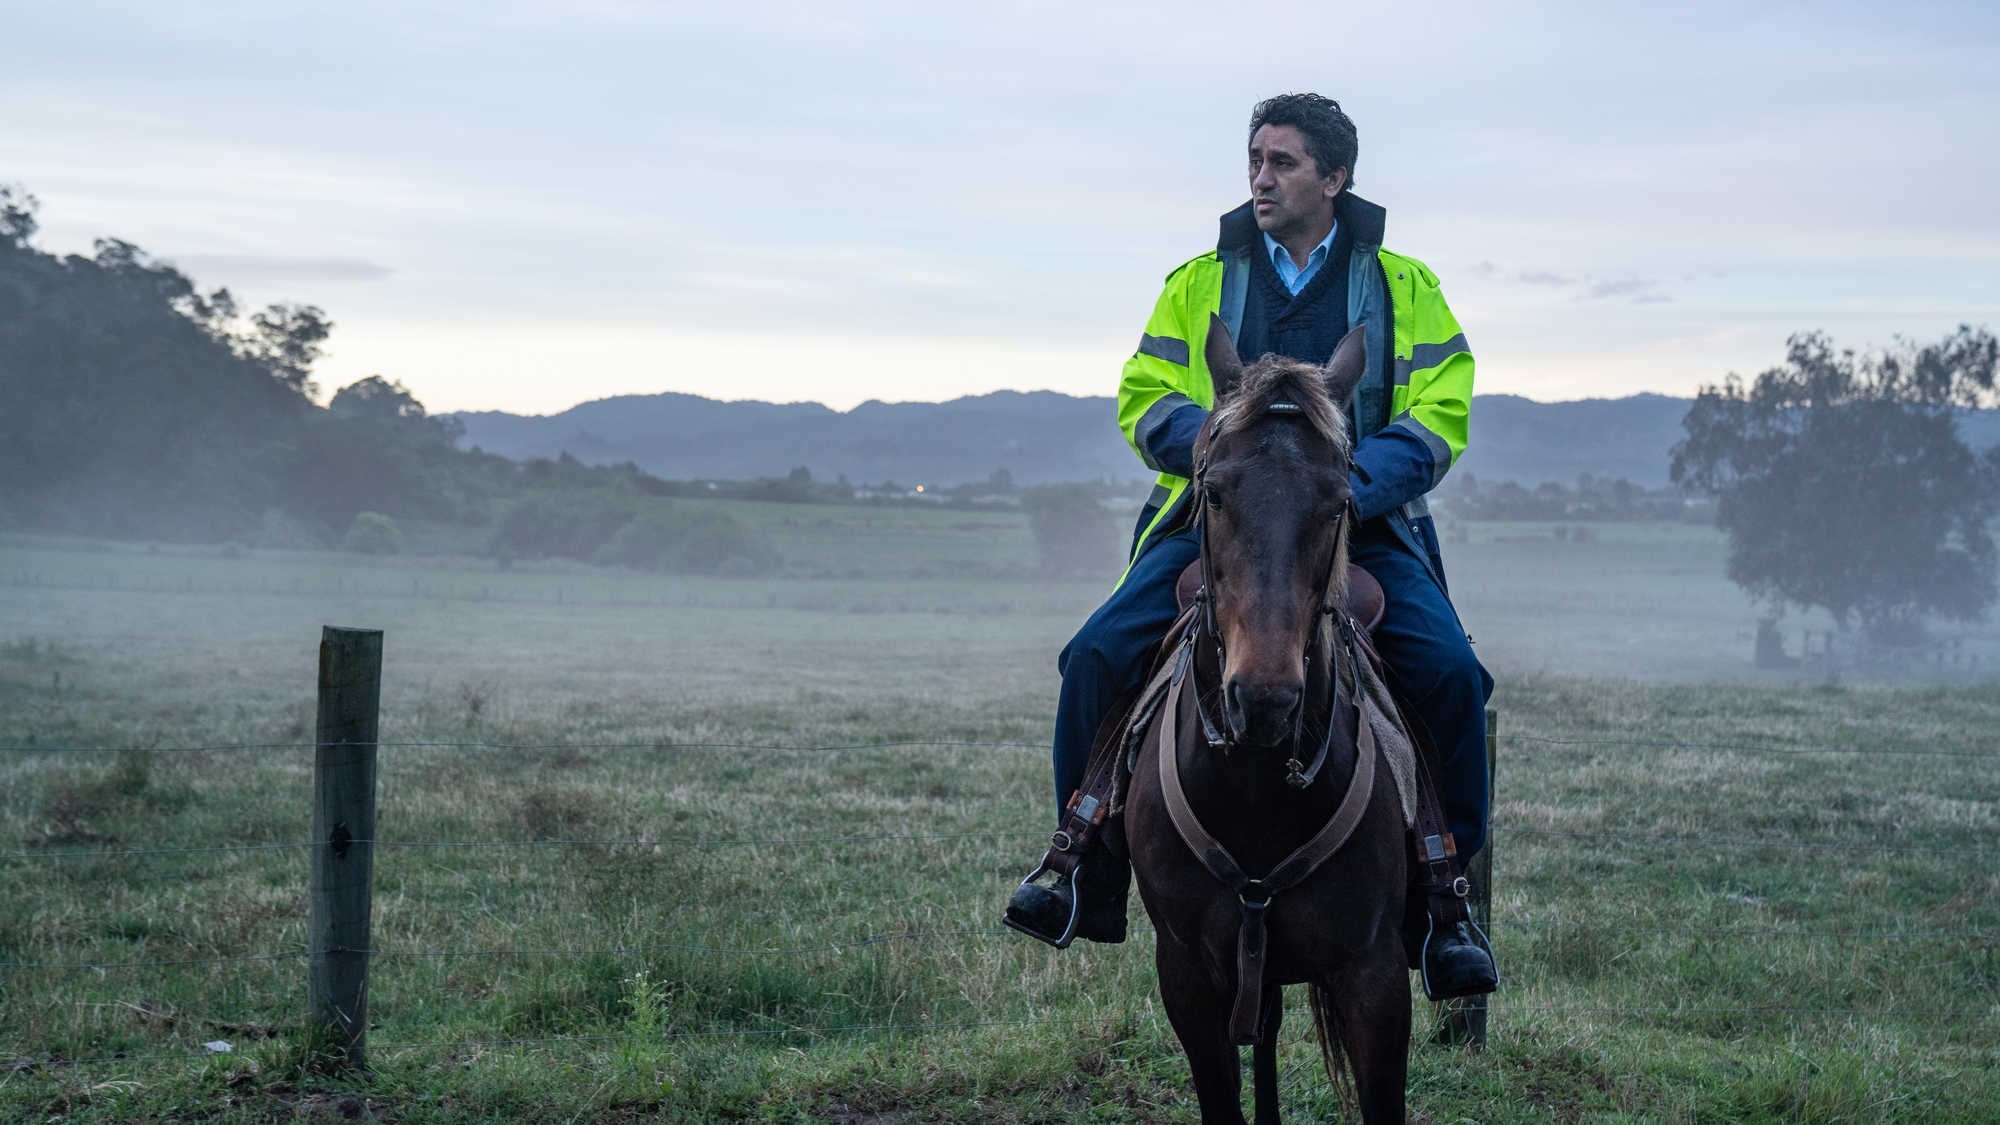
(1039, 437)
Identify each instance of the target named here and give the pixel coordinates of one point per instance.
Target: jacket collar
(1363, 220)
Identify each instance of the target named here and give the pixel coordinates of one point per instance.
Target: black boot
(1456, 959)
(1088, 905)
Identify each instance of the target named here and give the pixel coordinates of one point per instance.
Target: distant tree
(286, 340)
(1075, 534)
(372, 533)
(571, 524)
(389, 402)
(695, 540)
(1843, 482)
(17, 216)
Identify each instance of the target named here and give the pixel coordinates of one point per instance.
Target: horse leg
(1199, 1011)
(1373, 999)
(1264, 1056)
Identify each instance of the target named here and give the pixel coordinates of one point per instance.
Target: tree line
(134, 405)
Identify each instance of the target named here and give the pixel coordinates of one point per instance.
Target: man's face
(1289, 194)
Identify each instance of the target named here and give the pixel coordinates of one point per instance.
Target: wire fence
(958, 744)
(1500, 830)
(1602, 838)
(1972, 934)
(1124, 1023)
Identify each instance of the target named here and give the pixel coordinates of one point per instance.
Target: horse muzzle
(1262, 714)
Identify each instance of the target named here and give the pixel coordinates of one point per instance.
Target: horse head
(1271, 485)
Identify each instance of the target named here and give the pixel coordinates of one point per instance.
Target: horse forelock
(1274, 379)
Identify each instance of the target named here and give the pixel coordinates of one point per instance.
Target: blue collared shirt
(1295, 278)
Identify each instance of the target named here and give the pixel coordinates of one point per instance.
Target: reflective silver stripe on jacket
(1156, 416)
(1440, 452)
(1428, 355)
(1164, 347)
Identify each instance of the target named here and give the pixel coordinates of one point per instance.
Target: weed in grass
(642, 1043)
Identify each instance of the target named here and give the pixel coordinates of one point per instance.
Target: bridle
(1298, 775)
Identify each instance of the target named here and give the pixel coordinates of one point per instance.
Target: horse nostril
(1284, 704)
(1269, 710)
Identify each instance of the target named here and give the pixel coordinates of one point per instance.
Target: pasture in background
(713, 848)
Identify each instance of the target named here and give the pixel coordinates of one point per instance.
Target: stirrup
(1423, 957)
(1068, 935)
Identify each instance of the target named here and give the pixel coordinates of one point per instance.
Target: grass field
(1718, 896)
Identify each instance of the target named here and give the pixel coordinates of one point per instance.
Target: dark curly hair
(1329, 133)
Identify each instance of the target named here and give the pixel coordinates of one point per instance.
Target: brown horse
(1259, 887)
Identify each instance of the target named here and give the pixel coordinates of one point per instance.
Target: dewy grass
(633, 860)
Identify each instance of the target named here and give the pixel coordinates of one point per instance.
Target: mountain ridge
(1041, 437)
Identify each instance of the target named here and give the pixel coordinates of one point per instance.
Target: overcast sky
(521, 206)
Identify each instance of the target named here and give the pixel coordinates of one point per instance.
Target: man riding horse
(1294, 269)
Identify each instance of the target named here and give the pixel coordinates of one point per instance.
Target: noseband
(1298, 774)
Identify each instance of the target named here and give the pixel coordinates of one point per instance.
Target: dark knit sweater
(1305, 327)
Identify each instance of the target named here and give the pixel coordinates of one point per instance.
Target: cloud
(1641, 290)
(240, 269)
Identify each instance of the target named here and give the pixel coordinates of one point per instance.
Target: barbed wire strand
(772, 747)
(1126, 1019)
(554, 842)
(1886, 934)
(1500, 830)
(1670, 744)
(1735, 841)
(974, 744)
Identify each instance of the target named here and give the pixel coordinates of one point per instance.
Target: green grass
(1758, 921)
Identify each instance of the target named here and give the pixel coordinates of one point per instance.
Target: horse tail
(1331, 1032)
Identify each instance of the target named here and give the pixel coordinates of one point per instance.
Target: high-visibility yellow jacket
(1410, 410)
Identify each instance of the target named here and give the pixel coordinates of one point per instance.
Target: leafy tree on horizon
(132, 404)
(1843, 482)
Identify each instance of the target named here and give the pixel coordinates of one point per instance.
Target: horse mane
(1275, 379)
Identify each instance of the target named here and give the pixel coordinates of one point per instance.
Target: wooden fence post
(1464, 1021)
(343, 839)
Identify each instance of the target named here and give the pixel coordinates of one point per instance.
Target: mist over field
(633, 854)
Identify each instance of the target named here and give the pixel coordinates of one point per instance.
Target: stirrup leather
(1445, 906)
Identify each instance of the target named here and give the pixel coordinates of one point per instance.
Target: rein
(1254, 894)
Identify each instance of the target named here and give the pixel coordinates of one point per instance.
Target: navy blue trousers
(1420, 640)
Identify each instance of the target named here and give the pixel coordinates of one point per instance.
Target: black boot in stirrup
(1456, 960)
(1089, 905)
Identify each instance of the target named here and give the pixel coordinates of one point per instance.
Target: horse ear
(1349, 363)
(1224, 366)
